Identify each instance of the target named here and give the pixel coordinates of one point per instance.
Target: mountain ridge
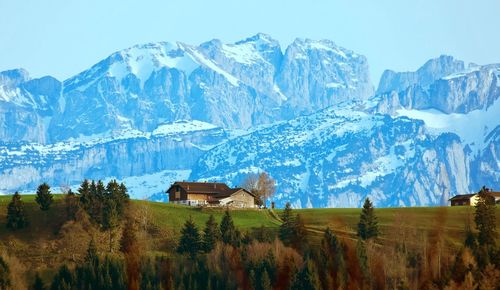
(306, 114)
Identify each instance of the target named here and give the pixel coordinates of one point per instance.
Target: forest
(97, 238)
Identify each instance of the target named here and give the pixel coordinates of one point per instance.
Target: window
(177, 195)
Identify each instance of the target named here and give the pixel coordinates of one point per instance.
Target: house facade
(209, 194)
(472, 199)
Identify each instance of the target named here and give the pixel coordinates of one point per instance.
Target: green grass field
(395, 223)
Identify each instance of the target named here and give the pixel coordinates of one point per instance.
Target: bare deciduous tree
(261, 185)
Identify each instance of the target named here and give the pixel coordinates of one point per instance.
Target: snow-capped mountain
(235, 86)
(155, 113)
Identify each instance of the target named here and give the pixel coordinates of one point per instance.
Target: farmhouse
(209, 194)
(471, 199)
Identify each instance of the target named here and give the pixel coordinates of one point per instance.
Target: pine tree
(5, 282)
(332, 253)
(299, 233)
(85, 196)
(265, 281)
(92, 257)
(72, 204)
(286, 228)
(190, 240)
(110, 219)
(43, 196)
(485, 218)
(229, 233)
(363, 259)
(16, 217)
(211, 234)
(307, 278)
(367, 226)
(38, 283)
(63, 280)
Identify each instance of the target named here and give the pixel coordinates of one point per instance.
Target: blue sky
(64, 37)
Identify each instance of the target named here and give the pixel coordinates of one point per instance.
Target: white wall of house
(239, 199)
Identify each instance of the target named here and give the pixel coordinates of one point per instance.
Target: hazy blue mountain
(307, 114)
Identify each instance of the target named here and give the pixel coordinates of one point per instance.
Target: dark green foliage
(5, 282)
(286, 228)
(334, 270)
(86, 198)
(229, 233)
(307, 278)
(95, 273)
(105, 205)
(72, 204)
(38, 283)
(485, 218)
(292, 231)
(63, 280)
(16, 217)
(265, 281)
(367, 226)
(211, 234)
(91, 256)
(363, 259)
(190, 242)
(148, 276)
(43, 196)
(264, 272)
(264, 235)
(299, 234)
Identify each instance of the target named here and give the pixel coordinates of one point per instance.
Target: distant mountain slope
(153, 113)
(234, 86)
(342, 154)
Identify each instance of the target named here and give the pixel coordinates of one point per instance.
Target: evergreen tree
(63, 280)
(485, 218)
(229, 233)
(43, 196)
(190, 240)
(363, 259)
(307, 278)
(92, 257)
(110, 219)
(286, 228)
(16, 217)
(299, 233)
(265, 281)
(99, 202)
(332, 253)
(85, 196)
(72, 204)
(5, 282)
(367, 226)
(38, 283)
(211, 234)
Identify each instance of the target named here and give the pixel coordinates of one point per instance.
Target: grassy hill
(412, 225)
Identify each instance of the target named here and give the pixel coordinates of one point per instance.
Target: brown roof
(218, 189)
(462, 196)
(495, 193)
(467, 196)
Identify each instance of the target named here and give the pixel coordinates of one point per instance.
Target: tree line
(221, 256)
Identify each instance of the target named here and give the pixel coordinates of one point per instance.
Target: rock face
(472, 89)
(434, 134)
(431, 71)
(234, 86)
(24, 165)
(337, 157)
(159, 112)
(27, 106)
